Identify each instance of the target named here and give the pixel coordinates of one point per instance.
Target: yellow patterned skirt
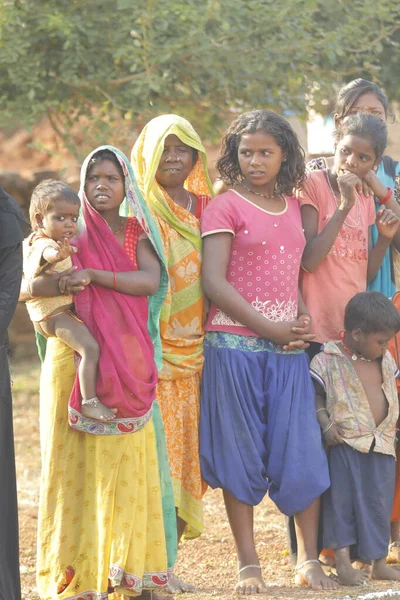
(100, 514)
(179, 401)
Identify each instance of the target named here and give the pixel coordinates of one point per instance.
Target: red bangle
(387, 197)
(115, 282)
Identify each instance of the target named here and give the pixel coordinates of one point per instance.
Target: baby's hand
(65, 250)
(333, 436)
(387, 223)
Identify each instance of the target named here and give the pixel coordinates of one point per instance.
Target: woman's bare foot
(310, 573)
(177, 586)
(380, 570)
(98, 411)
(250, 581)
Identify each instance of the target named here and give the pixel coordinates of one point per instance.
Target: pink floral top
(265, 257)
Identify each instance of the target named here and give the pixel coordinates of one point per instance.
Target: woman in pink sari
(107, 527)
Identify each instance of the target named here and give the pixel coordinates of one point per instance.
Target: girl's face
(104, 186)
(176, 162)
(260, 158)
(367, 103)
(355, 155)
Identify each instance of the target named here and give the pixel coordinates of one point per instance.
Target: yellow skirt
(100, 514)
(179, 402)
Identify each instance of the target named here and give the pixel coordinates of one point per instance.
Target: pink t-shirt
(343, 273)
(265, 257)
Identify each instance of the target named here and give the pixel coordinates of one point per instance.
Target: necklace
(189, 202)
(354, 355)
(337, 205)
(275, 194)
(120, 228)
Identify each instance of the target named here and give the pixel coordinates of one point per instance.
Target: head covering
(134, 205)
(146, 155)
(127, 374)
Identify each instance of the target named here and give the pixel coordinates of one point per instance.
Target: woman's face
(175, 164)
(104, 186)
(367, 103)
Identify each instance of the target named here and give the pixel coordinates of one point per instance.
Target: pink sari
(127, 374)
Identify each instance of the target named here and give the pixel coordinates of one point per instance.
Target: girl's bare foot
(310, 573)
(177, 586)
(250, 581)
(349, 576)
(380, 570)
(97, 410)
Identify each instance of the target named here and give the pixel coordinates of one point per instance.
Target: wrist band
(319, 410)
(115, 281)
(387, 197)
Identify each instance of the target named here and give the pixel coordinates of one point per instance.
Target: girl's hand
(387, 223)
(291, 331)
(349, 185)
(333, 436)
(376, 186)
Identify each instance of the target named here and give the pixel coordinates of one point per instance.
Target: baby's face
(61, 221)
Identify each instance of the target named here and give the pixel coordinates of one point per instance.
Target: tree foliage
(134, 59)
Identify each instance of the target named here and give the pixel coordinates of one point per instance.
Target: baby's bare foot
(349, 576)
(380, 570)
(310, 573)
(98, 411)
(250, 581)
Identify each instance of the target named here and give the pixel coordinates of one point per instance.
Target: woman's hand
(75, 282)
(387, 223)
(349, 186)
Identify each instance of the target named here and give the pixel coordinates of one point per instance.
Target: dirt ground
(208, 562)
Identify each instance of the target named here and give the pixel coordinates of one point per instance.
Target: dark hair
(292, 171)
(351, 92)
(371, 312)
(105, 155)
(367, 127)
(46, 194)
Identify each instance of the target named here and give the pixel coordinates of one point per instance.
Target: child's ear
(39, 220)
(356, 334)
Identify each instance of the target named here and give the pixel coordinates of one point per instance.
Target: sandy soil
(208, 562)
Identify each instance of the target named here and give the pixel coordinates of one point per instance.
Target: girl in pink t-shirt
(258, 427)
(339, 260)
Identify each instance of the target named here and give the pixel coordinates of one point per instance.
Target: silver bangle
(327, 428)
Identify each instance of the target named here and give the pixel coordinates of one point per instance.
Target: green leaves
(200, 59)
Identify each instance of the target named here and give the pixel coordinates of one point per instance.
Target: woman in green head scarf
(170, 166)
